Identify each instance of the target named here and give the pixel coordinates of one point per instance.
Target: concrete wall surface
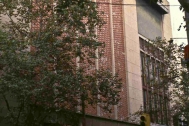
(97, 121)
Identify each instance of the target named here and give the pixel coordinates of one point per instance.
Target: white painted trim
(97, 67)
(113, 52)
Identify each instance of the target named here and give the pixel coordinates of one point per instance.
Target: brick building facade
(126, 22)
(124, 26)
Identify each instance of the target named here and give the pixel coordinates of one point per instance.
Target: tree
(181, 94)
(165, 79)
(171, 74)
(184, 5)
(174, 78)
(47, 66)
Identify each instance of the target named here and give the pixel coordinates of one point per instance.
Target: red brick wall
(120, 55)
(104, 35)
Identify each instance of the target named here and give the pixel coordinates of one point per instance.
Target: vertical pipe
(112, 50)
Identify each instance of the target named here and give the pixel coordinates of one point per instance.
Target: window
(154, 94)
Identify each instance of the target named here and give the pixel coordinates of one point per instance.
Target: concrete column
(132, 56)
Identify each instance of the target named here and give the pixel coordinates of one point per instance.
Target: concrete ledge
(101, 121)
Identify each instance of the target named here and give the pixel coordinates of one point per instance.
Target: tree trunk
(83, 111)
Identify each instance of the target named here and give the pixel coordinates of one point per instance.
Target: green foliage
(50, 70)
(174, 77)
(165, 79)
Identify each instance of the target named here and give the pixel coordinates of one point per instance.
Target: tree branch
(8, 106)
(21, 107)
